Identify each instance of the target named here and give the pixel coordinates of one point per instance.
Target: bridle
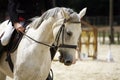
(55, 44)
(61, 32)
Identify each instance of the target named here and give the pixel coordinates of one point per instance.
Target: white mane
(53, 13)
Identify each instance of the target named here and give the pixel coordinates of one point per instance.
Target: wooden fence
(87, 44)
(104, 35)
(91, 36)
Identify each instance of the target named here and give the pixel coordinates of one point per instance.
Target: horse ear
(82, 12)
(63, 14)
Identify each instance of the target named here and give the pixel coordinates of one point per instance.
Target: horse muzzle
(66, 61)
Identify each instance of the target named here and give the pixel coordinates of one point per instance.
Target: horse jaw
(82, 13)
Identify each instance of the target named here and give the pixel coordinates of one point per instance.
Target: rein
(36, 40)
(60, 32)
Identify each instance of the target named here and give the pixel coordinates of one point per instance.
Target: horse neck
(45, 32)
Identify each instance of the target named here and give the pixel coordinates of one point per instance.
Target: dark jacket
(27, 8)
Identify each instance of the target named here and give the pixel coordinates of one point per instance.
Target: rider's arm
(12, 11)
(12, 5)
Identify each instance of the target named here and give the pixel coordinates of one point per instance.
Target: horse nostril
(68, 62)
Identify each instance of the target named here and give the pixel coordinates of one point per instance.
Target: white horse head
(32, 61)
(72, 28)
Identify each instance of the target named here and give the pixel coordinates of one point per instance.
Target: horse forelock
(53, 13)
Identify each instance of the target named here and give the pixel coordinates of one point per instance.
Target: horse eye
(69, 33)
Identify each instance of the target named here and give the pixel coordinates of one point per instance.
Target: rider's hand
(19, 27)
